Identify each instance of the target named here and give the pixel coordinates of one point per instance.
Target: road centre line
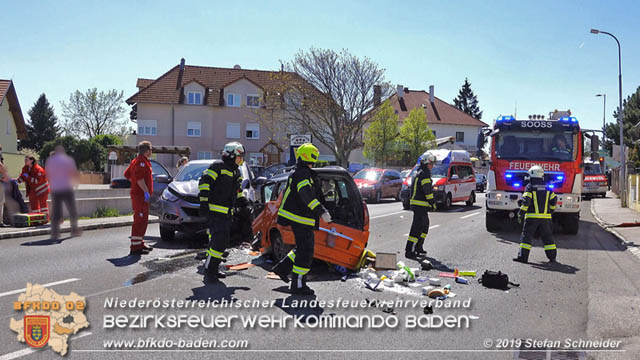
(470, 215)
(27, 351)
(45, 285)
(393, 213)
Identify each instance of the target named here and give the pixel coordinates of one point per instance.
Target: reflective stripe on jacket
(301, 202)
(218, 188)
(538, 202)
(422, 189)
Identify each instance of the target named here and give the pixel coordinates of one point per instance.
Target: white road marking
(393, 213)
(470, 215)
(27, 351)
(430, 227)
(45, 285)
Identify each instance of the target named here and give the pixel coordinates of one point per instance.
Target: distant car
(481, 182)
(161, 178)
(349, 216)
(375, 184)
(179, 203)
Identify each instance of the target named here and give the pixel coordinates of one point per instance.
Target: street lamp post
(623, 164)
(604, 116)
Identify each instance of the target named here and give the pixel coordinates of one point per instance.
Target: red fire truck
(556, 144)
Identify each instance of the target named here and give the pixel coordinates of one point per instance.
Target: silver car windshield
(191, 172)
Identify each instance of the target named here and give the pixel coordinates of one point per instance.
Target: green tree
(90, 155)
(631, 118)
(42, 126)
(381, 135)
(94, 113)
(415, 134)
(467, 101)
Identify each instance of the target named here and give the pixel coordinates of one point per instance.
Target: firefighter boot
(409, 249)
(299, 285)
(283, 267)
(551, 252)
(523, 254)
(419, 246)
(211, 270)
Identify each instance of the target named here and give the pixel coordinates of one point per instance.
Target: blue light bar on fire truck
(505, 119)
(568, 120)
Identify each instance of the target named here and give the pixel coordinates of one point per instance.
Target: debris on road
(385, 261)
(272, 276)
(241, 266)
(434, 281)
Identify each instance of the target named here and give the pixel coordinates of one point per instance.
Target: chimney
(180, 73)
(431, 96)
(377, 95)
(399, 91)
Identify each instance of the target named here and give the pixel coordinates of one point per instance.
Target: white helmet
(426, 158)
(536, 171)
(233, 149)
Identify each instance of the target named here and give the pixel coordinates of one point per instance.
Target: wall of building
(8, 136)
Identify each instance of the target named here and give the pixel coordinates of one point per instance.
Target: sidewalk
(609, 215)
(90, 224)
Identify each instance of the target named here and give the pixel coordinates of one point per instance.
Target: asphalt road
(592, 294)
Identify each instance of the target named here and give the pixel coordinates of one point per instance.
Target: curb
(606, 226)
(47, 231)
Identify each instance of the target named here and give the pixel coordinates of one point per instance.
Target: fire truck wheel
(472, 199)
(492, 222)
(570, 223)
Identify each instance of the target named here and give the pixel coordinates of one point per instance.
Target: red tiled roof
(165, 89)
(143, 83)
(440, 112)
(8, 92)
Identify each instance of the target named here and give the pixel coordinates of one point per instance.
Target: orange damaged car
(341, 242)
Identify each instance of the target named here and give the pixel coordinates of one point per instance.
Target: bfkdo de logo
(49, 318)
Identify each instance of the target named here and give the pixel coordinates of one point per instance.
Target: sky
(529, 57)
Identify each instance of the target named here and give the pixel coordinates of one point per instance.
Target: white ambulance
(453, 178)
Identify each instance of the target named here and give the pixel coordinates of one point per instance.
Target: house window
(253, 131)
(255, 158)
(233, 131)
(459, 136)
(194, 128)
(8, 125)
(233, 100)
(253, 100)
(433, 132)
(194, 98)
(204, 155)
(148, 127)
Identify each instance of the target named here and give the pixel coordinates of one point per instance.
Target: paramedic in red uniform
(35, 178)
(139, 174)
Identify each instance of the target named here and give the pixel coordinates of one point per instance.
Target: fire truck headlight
(498, 196)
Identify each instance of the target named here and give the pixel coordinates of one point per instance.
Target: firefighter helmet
(233, 150)
(308, 153)
(536, 171)
(426, 158)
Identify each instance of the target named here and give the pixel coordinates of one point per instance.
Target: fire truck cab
(555, 144)
(595, 180)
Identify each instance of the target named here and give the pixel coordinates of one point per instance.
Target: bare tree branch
(94, 113)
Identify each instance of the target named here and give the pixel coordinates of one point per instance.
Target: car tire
(447, 202)
(377, 197)
(570, 223)
(278, 248)
(167, 233)
(472, 199)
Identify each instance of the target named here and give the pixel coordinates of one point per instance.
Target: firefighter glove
(326, 217)
(146, 196)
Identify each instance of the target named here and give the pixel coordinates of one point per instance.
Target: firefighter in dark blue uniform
(422, 201)
(218, 190)
(538, 204)
(301, 209)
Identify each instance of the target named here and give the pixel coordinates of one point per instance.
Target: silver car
(179, 203)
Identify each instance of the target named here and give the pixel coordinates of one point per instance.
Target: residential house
(205, 108)
(12, 127)
(444, 119)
